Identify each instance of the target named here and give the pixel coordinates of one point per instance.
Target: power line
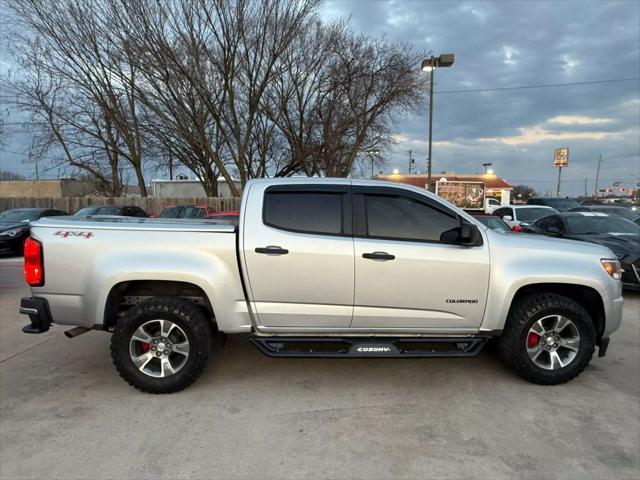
(548, 85)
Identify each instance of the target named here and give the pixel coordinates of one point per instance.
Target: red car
(198, 211)
(231, 215)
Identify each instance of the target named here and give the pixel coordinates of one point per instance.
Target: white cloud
(578, 120)
(538, 134)
(510, 55)
(569, 63)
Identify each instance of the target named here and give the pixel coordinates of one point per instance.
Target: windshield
(19, 215)
(560, 204)
(99, 211)
(585, 225)
(532, 214)
(182, 212)
(620, 212)
(494, 223)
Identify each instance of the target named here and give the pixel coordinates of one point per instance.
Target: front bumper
(39, 314)
(631, 275)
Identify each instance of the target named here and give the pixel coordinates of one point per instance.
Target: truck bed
(85, 258)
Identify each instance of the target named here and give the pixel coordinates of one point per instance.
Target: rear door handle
(378, 256)
(272, 250)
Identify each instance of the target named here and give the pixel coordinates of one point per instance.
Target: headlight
(13, 232)
(612, 267)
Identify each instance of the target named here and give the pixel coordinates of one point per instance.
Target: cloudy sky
(512, 44)
(504, 45)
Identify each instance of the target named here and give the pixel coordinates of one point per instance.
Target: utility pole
(37, 176)
(597, 177)
(410, 161)
(170, 166)
(585, 186)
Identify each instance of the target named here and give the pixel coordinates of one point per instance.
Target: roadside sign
(561, 157)
(466, 195)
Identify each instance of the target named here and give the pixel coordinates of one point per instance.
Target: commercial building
(495, 187)
(188, 188)
(57, 188)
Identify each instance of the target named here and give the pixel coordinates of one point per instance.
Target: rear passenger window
(313, 212)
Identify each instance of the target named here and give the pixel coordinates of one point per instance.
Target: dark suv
(559, 203)
(120, 210)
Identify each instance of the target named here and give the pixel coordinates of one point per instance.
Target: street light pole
(429, 65)
(430, 124)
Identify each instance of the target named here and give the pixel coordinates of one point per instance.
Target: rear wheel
(161, 345)
(548, 339)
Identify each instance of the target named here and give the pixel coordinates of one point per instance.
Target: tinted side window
(313, 212)
(501, 212)
(547, 222)
(406, 219)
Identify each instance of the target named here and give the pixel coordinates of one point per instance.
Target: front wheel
(161, 345)
(548, 339)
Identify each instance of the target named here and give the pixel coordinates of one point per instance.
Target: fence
(151, 205)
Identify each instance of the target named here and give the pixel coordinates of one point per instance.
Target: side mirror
(508, 218)
(554, 230)
(469, 235)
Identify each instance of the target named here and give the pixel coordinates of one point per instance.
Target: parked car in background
(493, 222)
(119, 210)
(611, 209)
(231, 216)
(519, 216)
(186, 211)
(622, 236)
(559, 203)
(14, 226)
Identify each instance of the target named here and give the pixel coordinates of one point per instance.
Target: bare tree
(225, 87)
(370, 81)
(82, 53)
(63, 120)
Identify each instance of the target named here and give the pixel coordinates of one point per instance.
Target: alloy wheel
(553, 342)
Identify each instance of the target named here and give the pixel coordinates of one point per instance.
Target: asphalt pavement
(65, 413)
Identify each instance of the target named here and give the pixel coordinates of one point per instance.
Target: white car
(490, 205)
(518, 216)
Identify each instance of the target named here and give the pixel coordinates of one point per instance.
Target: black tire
(185, 315)
(512, 345)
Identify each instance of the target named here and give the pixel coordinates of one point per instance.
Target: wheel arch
(137, 290)
(586, 296)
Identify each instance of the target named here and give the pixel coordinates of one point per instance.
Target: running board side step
(395, 347)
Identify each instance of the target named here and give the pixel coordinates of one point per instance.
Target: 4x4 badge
(71, 233)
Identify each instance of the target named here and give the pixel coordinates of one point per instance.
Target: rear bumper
(38, 311)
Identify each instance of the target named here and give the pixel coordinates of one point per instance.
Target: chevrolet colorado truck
(322, 268)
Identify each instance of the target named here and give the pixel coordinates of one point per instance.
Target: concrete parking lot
(64, 413)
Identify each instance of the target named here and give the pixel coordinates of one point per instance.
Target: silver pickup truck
(322, 268)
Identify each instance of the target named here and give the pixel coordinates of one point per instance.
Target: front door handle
(272, 250)
(378, 256)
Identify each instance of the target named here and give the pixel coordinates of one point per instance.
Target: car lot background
(64, 413)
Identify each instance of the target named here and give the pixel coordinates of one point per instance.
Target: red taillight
(33, 265)
(516, 228)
